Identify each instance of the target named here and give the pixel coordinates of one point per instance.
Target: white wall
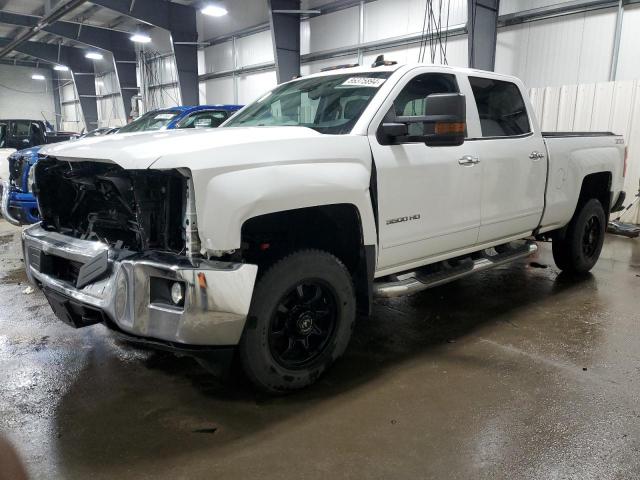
(606, 106)
(628, 64)
(569, 49)
(250, 50)
(110, 108)
(22, 97)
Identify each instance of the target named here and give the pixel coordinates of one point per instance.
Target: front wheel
(300, 321)
(579, 249)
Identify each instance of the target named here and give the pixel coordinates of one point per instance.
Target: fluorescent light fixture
(37, 76)
(61, 68)
(214, 11)
(140, 38)
(94, 56)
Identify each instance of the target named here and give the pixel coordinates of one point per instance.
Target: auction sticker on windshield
(164, 116)
(363, 82)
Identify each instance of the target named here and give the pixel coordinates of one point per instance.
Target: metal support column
(616, 42)
(482, 24)
(284, 17)
(180, 21)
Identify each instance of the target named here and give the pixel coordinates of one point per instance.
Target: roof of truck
(408, 66)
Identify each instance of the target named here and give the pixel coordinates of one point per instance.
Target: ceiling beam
(49, 19)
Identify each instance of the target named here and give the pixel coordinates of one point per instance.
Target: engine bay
(127, 209)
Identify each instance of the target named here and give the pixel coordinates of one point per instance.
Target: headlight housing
(31, 178)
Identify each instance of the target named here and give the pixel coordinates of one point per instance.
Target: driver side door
(428, 197)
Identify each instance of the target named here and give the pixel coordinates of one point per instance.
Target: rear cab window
(501, 108)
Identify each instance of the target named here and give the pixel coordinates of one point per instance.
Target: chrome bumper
(217, 295)
(4, 206)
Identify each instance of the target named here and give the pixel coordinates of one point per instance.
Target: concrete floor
(519, 372)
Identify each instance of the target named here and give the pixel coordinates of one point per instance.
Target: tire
(300, 321)
(579, 249)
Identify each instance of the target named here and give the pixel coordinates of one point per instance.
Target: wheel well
(336, 229)
(596, 185)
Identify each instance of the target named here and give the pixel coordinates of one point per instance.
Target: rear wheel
(300, 321)
(579, 249)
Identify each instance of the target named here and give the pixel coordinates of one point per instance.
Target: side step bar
(416, 281)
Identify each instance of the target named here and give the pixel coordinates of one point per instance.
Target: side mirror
(444, 125)
(449, 114)
(390, 132)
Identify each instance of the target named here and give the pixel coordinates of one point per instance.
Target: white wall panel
(567, 107)
(219, 90)
(513, 6)
(628, 64)
(255, 49)
(219, 57)
(605, 106)
(22, 97)
(255, 85)
(393, 18)
(457, 53)
(110, 109)
(318, 65)
(333, 30)
(566, 50)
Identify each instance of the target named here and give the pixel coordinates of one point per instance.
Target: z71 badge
(403, 219)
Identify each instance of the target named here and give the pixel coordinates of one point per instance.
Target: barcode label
(363, 82)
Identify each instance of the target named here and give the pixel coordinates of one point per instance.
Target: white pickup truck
(264, 238)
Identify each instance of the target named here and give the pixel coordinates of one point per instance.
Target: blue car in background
(19, 205)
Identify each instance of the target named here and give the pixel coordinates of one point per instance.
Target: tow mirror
(443, 125)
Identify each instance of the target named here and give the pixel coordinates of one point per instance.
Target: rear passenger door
(513, 157)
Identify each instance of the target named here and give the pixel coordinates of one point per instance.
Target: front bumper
(18, 208)
(120, 290)
(4, 204)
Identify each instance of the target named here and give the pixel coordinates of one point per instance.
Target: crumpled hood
(134, 151)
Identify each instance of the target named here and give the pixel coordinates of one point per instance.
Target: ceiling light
(140, 38)
(61, 68)
(37, 76)
(214, 11)
(94, 56)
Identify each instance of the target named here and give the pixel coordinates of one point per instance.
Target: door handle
(468, 160)
(536, 155)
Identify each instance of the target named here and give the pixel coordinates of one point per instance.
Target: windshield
(330, 104)
(151, 121)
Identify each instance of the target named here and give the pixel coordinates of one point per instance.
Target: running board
(416, 282)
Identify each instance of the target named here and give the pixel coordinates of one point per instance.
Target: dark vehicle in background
(19, 206)
(24, 133)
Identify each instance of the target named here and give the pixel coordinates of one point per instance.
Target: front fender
(224, 202)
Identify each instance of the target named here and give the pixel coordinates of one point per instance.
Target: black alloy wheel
(303, 324)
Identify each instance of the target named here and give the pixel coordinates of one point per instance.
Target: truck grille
(60, 268)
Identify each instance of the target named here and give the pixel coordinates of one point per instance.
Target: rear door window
(20, 128)
(501, 107)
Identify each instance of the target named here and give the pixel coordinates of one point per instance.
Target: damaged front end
(121, 247)
(134, 210)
